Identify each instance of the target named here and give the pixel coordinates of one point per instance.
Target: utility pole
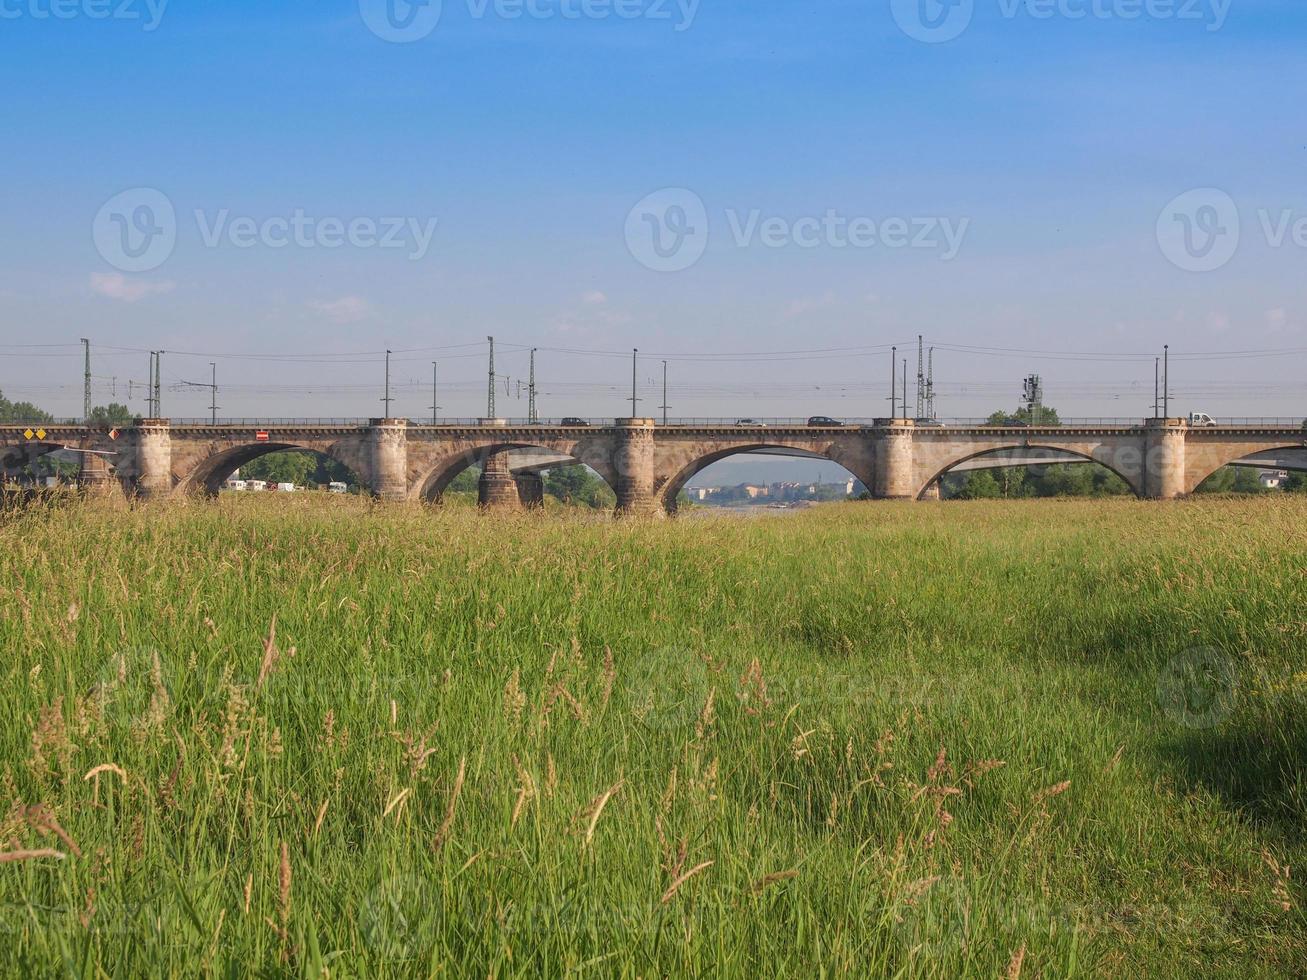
(1166, 381)
(893, 382)
(531, 391)
(386, 399)
(213, 393)
(86, 384)
(490, 397)
(635, 355)
(905, 387)
(930, 383)
(158, 387)
(1157, 380)
(921, 379)
(664, 406)
(435, 400)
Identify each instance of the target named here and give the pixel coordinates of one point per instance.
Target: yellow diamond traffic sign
(40, 433)
(28, 434)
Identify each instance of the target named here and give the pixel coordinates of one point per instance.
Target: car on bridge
(574, 422)
(1201, 420)
(825, 421)
(928, 423)
(750, 424)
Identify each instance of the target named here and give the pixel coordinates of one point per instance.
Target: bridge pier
(497, 489)
(153, 458)
(894, 460)
(531, 490)
(1164, 459)
(94, 476)
(633, 462)
(388, 440)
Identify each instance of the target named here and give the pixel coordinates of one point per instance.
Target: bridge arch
(210, 472)
(435, 476)
(1124, 461)
(681, 471)
(1202, 461)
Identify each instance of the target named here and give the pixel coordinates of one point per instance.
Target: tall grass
(1044, 738)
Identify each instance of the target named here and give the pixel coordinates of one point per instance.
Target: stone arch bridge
(646, 464)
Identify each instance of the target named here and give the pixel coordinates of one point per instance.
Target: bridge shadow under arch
(431, 487)
(669, 493)
(209, 475)
(1246, 456)
(1052, 456)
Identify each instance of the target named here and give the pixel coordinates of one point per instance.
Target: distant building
(753, 492)
(1272, 479)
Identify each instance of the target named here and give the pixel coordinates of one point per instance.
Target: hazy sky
(727, 177)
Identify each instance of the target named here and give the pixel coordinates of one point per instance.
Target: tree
(112, 414)
(1232, 479)
(979, 485)
(465, 482)
(291, 466)
(579, 485)
(21, 412)
(1047, 416)
(1297, 483)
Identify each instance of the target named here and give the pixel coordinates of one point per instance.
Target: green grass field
(1035, 738)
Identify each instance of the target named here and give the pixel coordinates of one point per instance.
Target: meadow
(311, 737)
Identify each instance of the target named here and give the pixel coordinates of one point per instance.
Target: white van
(286, 487)
(337, 487)
(256, 485)
(1201, 420)
(237, 485)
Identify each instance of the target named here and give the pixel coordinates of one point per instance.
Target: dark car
(825, 421)
(573, 422)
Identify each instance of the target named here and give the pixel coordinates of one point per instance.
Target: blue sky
(1054, 142)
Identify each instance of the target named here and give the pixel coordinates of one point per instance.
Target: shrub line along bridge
(645, 463)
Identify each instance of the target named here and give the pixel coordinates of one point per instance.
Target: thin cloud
(115, 285)
(347, 309)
